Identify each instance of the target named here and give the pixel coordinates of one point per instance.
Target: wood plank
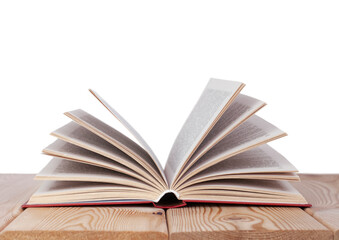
(15, 190)
(239, 222)
(88, 223)
(322, 191)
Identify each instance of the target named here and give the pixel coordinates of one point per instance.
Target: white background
(151, 60)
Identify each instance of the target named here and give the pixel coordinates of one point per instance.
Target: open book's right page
(221, 126)
(213, 102)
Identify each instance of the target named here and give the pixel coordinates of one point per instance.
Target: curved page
(65, 170)
(255, 191)
(117, 139)
(248, 176)
(132, 131)
(71, 152)
(68, 192)
(81, 137)
(239, 111)
(214, 100)
(252, 133)
(279, 188)
(260, 160)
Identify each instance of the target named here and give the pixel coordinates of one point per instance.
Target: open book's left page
(133, 132)
(95, 162)
(118, 140)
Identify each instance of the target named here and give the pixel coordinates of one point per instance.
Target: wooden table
(193, 222)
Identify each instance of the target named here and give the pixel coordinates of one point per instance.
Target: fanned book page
(220, 155)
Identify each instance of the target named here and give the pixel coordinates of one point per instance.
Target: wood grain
(322, 191)
(15, 190)
(88, 223)
(239, 222)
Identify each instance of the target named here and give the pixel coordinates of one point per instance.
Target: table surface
(199, 221)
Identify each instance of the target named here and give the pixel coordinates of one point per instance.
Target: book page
(239, 111)
(262, 162)
(248, 176)
(133, 132)
(62, 187)
(264, 191)
(227, 195)
(53, 192)
(279, 188)
(71, 152)
(117, 139)
(214, 100)
(243, 190)
(81, 137)
(233, 197)
(262, 159)
(254, 132)
(65, 170)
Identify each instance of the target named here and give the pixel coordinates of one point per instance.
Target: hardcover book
(220, 155)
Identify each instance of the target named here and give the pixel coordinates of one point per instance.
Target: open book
(220, 155)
